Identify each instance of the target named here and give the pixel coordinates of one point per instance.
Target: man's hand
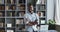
(29, 24)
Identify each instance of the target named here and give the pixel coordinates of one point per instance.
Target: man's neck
(31, 12)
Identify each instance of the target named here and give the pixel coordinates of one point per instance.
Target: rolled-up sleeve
(37, 18)
(26, 19)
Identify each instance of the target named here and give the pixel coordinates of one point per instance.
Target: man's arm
(26, 21)
(37, 18)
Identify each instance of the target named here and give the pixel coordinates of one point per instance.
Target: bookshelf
(12, 14)
(41, 11)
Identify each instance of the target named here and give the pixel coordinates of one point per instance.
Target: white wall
(50, 9)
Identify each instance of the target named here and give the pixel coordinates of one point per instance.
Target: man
(31, 19)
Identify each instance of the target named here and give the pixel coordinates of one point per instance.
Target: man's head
(30, 8)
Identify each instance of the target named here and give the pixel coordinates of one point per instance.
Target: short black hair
(29, 4)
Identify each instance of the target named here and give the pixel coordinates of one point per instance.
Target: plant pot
(51, 27)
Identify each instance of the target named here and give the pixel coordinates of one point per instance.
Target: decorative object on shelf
(2, 7)
(42, 8)
(1, 24)
(19, 21)
(1, 14)
(41, 14)
(21, 14)
(9, 14)
(12, 7)
(7, 8)
(10, 30)
(10, 1)
(21, 7)
(42, 1)
(9, 24)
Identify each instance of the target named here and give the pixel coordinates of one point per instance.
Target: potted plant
(51, 24)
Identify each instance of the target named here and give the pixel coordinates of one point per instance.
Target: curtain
(57, 12)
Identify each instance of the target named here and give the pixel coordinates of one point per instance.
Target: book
(9, 25)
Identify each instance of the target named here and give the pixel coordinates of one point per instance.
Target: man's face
(31, 8)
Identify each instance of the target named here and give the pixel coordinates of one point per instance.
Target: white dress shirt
(31, 17)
